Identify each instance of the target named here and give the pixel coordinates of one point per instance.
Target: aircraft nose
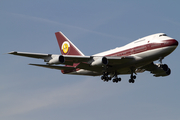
(171, 42)
(175, 42)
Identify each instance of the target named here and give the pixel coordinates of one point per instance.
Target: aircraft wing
(120, 60)
(97, 60)
(92, 63)
(113, 63)
(90, 59)
(32, 55)
(53, 58)
(156, 69)
(77, 59)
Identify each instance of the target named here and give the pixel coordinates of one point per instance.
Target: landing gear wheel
(102, 77)
(131, 80)
(105, 77)
(116, 80)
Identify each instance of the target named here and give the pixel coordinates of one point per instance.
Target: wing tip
(12, 52)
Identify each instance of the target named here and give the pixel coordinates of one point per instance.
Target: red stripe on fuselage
(146, 47)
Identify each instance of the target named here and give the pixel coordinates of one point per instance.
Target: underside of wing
(120, 60)
(156, 69)
(108, 64)
(93, 63)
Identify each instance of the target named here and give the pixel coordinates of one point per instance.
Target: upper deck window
(162, 35)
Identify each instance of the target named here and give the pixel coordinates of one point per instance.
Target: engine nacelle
(161, 70)
(99, 61)
(57, 60)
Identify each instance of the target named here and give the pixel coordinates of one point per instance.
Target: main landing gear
(131, 80)
(106, 78)
(116, 80)
(132, 77)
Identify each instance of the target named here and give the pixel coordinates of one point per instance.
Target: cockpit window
(162, 35)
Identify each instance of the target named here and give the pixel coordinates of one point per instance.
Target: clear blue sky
(33, 93)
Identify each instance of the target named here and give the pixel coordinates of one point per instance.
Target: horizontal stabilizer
(54, 67)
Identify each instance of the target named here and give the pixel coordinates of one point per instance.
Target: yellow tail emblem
(65, 47)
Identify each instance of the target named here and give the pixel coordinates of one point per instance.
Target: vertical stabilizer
(66, 46)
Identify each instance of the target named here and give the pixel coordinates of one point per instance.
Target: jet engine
(161, 70)
(99, 61)
(57, 60)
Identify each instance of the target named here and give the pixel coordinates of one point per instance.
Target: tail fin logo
(65, 47)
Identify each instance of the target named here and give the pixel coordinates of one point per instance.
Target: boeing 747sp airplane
(135, 57)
